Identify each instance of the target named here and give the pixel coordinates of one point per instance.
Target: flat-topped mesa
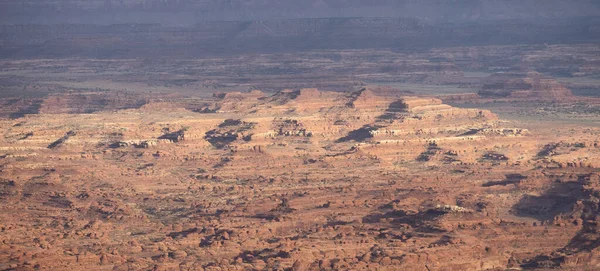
(302, 100)
(399, 108)
(523, 86)
(306, 94)
(415, 116)
(88, 103)
(433, 108)
(448, 115)
(417, 104)
(298, 95)
(235, 101)
(366, 99)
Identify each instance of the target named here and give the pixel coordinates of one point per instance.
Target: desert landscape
(299, 143)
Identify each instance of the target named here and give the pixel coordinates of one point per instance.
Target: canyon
(298, 179)
(317, 135)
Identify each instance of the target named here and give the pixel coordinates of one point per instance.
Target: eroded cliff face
(584, 248)
(19, 107)
(302, 179)
(69, 103)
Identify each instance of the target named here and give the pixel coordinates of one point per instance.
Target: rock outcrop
(301, 179)
(531, 85)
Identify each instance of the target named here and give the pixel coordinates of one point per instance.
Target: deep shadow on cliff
(582, 199)
(559, 199)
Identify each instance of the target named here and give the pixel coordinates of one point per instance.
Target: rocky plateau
(295, 180)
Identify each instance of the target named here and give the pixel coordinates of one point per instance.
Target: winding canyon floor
(299, 180)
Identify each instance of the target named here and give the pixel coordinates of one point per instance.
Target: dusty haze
(300, 135)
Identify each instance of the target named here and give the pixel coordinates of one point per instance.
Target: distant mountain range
(189, 12)
(291, 35)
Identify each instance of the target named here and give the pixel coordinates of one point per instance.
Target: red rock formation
(297, 180)
(524, 86)
(18, 107)
(366, 99)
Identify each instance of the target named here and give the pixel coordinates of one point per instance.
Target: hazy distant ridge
(187, 12)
